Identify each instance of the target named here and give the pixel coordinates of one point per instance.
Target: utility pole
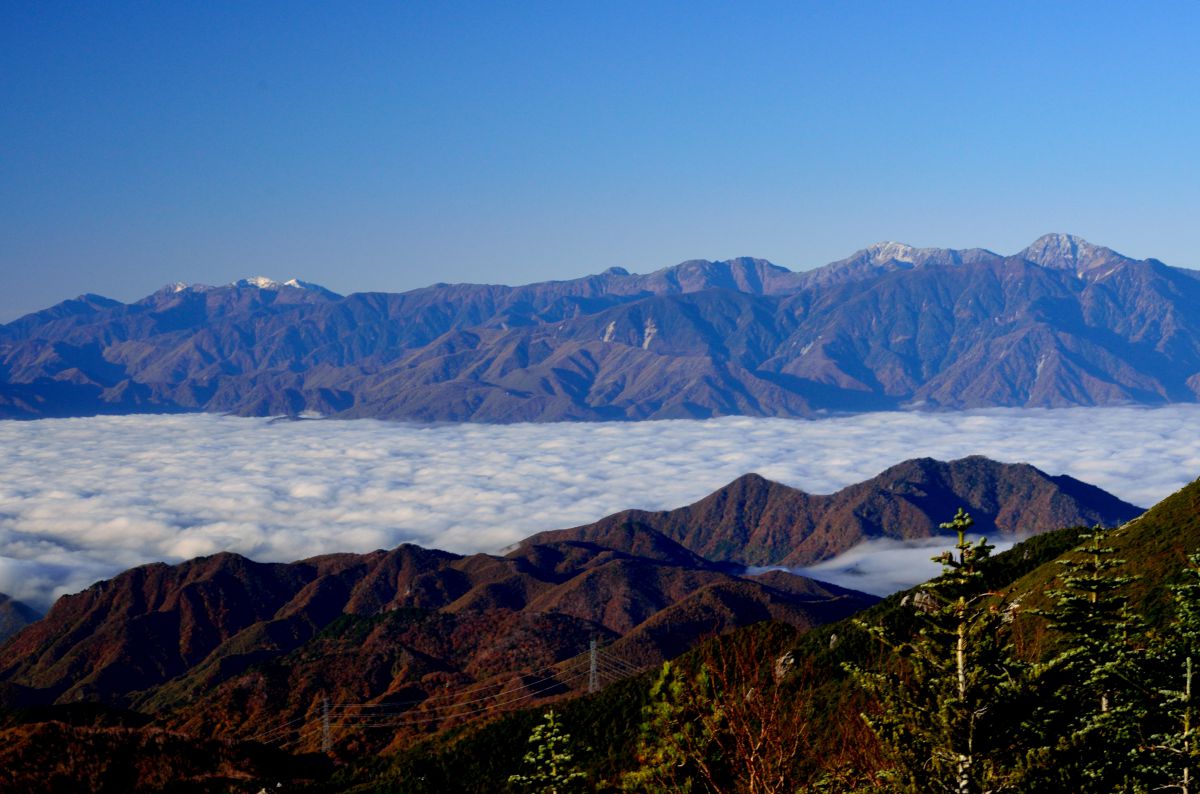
(326, 745)
(593, 679)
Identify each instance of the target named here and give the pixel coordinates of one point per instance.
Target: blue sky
(388, 146)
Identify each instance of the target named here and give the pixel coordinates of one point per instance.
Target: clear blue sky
(387, 146)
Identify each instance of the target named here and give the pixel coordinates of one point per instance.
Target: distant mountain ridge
(1063, 322)
(756, 522)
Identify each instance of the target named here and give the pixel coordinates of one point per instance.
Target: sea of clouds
(882, 566)
(82, 499)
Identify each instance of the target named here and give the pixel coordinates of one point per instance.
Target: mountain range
(1062, 322)
(217, 669)
(226, 645)
(756, 522)
(223, 645)
(835, 750)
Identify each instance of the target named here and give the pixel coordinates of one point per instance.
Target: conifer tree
(1174, 756)
(669, 742)
(946, 693)
(1093, 692)
(549, 763)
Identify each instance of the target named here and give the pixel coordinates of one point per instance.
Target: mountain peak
(252, 282)
(891, 254)
(754, 521)
(891, 251)
(1070, 252)
(181, 286)
(263, 282)
(14, 616)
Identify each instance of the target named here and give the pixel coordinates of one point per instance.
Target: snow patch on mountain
(263, 282)
(1069, 252)
(891, 251)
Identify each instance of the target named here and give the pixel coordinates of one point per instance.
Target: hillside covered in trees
(1064, 664)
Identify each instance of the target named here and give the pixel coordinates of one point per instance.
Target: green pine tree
(549, 763)
(1092, 692)
(668, 740)
(947, 692)
(1174, 755)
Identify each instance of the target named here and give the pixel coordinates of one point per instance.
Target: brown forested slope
(754, 521)
(231, 646)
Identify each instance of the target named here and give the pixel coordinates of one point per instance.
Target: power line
(438, 714)
(372, 721)
(617, 660)
(600, 663)
(565, 663)
(550, 681)
(259, 736)
(271, 734)
(623, 669)
(415, 703)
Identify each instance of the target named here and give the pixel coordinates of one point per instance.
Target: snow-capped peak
(175, 287)
(897, 252)
(262, 282)
(1068, 252)
(296, 283)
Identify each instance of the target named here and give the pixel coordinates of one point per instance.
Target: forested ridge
(1065, 664)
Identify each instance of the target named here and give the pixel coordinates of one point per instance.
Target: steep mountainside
(1063, 322)
(411, 641)
(226, 646)
(14, 616)
(1153, 547)
(754, 521)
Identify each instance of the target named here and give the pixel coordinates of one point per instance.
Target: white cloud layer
(81, 499)
(882, 566)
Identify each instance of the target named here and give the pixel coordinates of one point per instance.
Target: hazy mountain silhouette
(14, 616)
